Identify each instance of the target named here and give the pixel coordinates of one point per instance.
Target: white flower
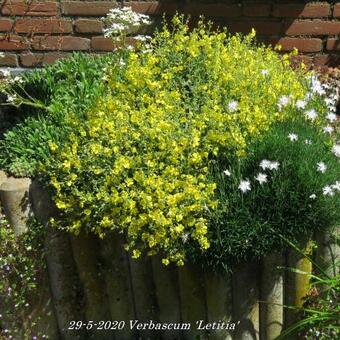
(123, 21)
(316, 86)
(321, 167)
(283, 101)
(121, 62)
(232, 106)
(261, 178)
(227, 172)
(2, 55)
(266, 164)
(331, 117)
(301, 104)
(293, 137)
(311, 114)
(274, 165)
(312, 196)
(11, 99)
(308, 141)
(336, 186)
(264, 72)
(336, 150)
(129, 47)
(18, 79)
(142, 37)
(328, 129)
(244, 186)
(327, 191)
(185, 237)
(6, 73)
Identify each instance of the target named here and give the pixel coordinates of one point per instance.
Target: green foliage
(70, 85)
(22, 265)
(247, 225)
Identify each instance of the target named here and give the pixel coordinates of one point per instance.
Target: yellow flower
(53, 146)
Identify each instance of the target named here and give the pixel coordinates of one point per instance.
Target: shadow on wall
(307, 26)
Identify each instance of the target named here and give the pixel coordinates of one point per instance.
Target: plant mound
(141, 162)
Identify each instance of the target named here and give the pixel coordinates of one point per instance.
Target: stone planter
(93, 280)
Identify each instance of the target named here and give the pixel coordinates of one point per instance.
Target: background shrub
(69, 85)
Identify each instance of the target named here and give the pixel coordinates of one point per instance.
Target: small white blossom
(336, 186)
(274, 165)
(11, 99)
(2, 55)
(321, 167)
(301, 104)
(227, 172)
(316, 86)
(142, 37)
(6, 73)
(264, 72)
(327, 191)
(244, 186)
(336, 150)
(266, 164)
(311, 114)
(261, 178)
(328, 129)
(293, 137)
(232, 106)
(18, 79)
(308, 141)
(312, 196)
(331, 117)
(185, 237)
(121, 62)
(283, 101)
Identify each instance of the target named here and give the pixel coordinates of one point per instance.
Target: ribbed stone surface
(14, 195)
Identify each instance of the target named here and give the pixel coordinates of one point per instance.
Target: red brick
(43, 26)
(302, 44)
(333, 45)
(336, 10)
(313, 27)
(255, 9)
(213, 10)
(106, 44)
(5, 25)
(87, 8)
(13, 42)
(63, 43)
(261, 27)
(9, 60)
(102, 44)
(297, 60)
(311, 10)
(39, 59)
(331, 60)
(88, 26)
(29, 8)
(153, 7)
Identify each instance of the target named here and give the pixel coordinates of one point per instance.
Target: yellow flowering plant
(139, 162)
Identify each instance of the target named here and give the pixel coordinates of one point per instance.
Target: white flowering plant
(288, 184)
(121, 22)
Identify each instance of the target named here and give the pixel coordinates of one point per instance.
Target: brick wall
(36, 32)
